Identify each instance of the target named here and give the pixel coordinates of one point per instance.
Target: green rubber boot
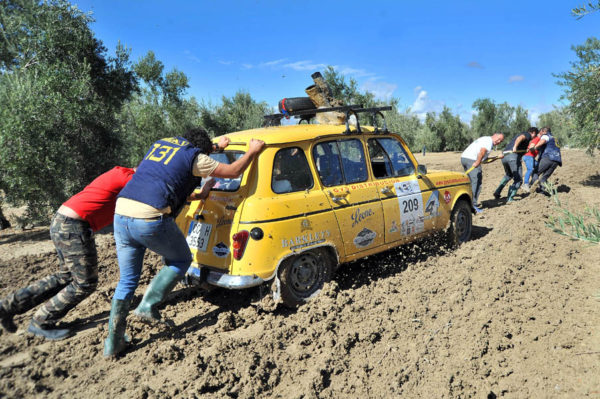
(511, 193)
(159, 288)
(503, 182)
(117, 340)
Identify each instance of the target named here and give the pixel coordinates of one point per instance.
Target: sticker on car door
(410, 201)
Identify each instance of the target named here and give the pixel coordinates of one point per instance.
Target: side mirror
(421, 170)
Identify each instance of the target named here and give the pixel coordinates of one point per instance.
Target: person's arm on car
(223, 143)
(236, 168)
(204, 191)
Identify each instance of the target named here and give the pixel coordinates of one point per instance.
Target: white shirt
(472, 151)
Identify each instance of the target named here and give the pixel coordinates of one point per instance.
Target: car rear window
(226, 157)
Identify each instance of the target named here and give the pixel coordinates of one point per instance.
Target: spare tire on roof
(295, 104)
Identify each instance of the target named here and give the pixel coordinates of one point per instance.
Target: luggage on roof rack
(307, 114)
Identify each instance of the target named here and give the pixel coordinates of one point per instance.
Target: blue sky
(427, 54)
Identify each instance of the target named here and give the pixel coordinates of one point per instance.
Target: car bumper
(224, 280)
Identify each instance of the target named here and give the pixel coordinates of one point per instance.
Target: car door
(409, 205)
(342, 169)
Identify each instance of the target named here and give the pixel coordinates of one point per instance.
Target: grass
(585, 227)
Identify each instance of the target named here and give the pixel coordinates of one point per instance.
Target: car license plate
(198, 236)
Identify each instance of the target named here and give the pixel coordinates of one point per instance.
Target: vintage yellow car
(317, 196)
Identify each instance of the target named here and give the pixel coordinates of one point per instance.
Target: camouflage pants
(76, 279)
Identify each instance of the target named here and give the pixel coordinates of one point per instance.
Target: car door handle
(386, 190)
(338, 197)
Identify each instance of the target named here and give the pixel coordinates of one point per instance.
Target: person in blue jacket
(549, 159)
(145, 219)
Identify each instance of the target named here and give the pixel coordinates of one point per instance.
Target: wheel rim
(462, 225)
(304, 273)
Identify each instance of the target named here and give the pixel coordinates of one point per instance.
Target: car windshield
(222, 184)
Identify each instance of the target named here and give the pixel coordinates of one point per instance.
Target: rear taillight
(239, 244)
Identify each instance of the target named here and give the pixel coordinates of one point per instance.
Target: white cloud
(423, 104)
(305, 65)
(381, 90)
(247, 66)
(272, 63)
(359, 73)
(516, 78)
(417, 90)
(225, 62)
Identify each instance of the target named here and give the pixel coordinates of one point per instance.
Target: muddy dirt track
(514, 313)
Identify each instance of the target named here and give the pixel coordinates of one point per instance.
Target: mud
(514, 313)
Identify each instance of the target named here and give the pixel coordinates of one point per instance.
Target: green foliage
(585, 227)
(348, 92)
(452, 133)
(159, 108)
(585, 9)
(239, 112)
(582, 85)
(493, 118)
(405, 123)
(59, 93)
(562, 125)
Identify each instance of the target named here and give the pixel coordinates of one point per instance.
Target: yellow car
(316, 197)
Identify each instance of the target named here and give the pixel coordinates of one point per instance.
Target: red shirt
(96, 203)
(533, 152)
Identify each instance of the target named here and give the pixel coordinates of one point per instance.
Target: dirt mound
(514, 312)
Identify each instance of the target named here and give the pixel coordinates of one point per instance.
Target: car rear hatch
(207, 224)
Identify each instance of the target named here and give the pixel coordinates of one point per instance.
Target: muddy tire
(296, 104)
(303, 276)
(461, 224)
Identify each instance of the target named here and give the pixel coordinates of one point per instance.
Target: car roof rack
(307, 114)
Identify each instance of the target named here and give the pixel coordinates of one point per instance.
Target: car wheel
(296, 104)
(303, 275)
(461, 224)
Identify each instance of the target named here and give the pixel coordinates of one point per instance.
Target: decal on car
(224, 222)
(410, 201)
(220, 250)
(447, 197)
(432, 207)
(358, 216)
(364, 238)
(305, 225)
(394, 227)
(305, 240)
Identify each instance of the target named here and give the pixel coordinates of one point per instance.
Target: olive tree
(235, 113)
(59, 93)
(158, 109)
(582, 85)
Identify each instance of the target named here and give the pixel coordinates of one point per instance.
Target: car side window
(394, 160)
(353, 160)
(327, 161)
(290, 171)
(339, 162)
(380, 162)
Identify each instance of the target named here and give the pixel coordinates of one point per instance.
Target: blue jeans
(531, 165)
(133, 236)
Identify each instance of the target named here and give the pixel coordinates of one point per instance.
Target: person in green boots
(513, 153)
(145, 219)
